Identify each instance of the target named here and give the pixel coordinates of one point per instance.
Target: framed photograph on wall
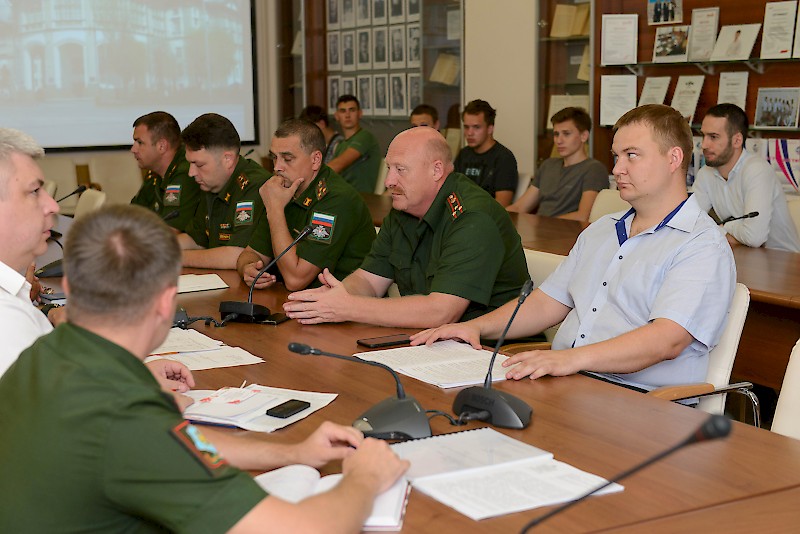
(380, 60)
(413, 8)
(348, 51)
(398, 95)
(777, 107)
(334, 57)
(671, 45)
(380, 101)
(664, 12)
(363, 12)
(397, 11)
(348, 86)
(413, 41)
(334, 83)
(414, 91)
(379, 15)
(363, 58)
(364, 85)
(397, 46)
(333, 15)
(348, 17)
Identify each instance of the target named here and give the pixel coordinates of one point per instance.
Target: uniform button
(605, 283)
(583, 336)
(620, 257)
(594, 309)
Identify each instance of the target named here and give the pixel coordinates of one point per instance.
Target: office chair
(90, 200)
(118, 176)
(787, 411)
(607, 201)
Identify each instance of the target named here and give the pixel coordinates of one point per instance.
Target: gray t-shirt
(560, 188)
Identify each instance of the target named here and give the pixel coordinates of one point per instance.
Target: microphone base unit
(51, 270)
(505, 411)
(395, 418)
(243, 312)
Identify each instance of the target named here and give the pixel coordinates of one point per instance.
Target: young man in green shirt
(357, 157)
(306, 191)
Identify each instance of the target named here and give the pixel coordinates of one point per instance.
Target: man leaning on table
(450, 247)
(118, 454)
(306, 191)
(643, 294)
(230, 206)
(735, 182)
(26, 218)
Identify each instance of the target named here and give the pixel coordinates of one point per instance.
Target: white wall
(499, 67)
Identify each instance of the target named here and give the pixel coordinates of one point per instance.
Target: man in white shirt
(26, 217)
(736, 183)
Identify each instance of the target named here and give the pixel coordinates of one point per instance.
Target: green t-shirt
(363, 173)
(465, 245)
(91, 444)
(229, 217)
(343, 229)
(175, 191)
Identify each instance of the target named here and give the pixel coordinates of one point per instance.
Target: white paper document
(189, 283)
(483, 473)
(617, 97)
(619, 39)
(446, 364)
(294, 483)
(223, 356)
(654, 90)
(180, 340)
(704, 33)
(733, 88)
(776, 40)
(246, 407)
(686, 95)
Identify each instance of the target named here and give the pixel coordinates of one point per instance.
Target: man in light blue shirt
(643, 294)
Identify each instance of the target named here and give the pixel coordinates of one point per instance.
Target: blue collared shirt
(682, 270)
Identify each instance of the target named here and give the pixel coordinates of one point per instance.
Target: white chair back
(51, 187)
(721, 357)
(90, 200)
(607, 201)
(794, 211)
(117, 174)
(787, 412)
(61, 170)
(522, 185)
(380, 185)
(540, 266)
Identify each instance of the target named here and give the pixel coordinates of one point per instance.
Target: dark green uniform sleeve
(151, 474)
(472, 253)
(377, 261)
(196, 229)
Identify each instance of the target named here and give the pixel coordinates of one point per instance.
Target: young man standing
(425, 115)
(357, 157)
(485, 161)
(566, 186)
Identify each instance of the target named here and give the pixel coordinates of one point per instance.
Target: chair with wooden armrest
(787, 411)
(712, 393)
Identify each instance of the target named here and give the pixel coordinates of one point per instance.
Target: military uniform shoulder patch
(454, 203)
(172, 195)
(196, 443)
(242, 181)
(323, 227)
(244, 213)
(322, 188)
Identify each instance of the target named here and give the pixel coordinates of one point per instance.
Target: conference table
(595, 426)
(773, 277)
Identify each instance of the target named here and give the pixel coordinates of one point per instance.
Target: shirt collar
(227, 192)
(437, 211)
(683, 220)
(310, 192)
(12, 281)
(745, 155)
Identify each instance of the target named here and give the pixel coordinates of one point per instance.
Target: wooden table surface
(595, 426)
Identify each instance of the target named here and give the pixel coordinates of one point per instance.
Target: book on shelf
(445, 70)
(482, 473)
(570, 20)
(294, 483)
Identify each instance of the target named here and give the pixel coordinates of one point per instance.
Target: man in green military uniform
(231, 207)
(121, 457)
(357, 157)
(306, 191)
(450, 247)
(168, 189)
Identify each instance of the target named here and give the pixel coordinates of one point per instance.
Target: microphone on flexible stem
(78, 191)
(399, 417)
(747, 216)
(505, 410)
(716, 426)
(247, 312)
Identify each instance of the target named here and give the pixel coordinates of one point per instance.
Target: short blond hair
(670, 128)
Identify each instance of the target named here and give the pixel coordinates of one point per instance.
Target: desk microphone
(78, 191)
(716, 426)
(247, 312)
(505, 410)
(748, 216)
(399, 417)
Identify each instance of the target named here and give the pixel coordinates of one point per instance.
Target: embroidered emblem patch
(243, 181)
(244, 213)
(456, 208)
(224, 237)
(172, 195)
(323, 227)
(196, 443)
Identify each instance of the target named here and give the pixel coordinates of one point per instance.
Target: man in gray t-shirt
(567, 186)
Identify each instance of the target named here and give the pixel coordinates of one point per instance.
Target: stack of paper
(198, 351)
(246, 407)
(483, 473)
(294, 483)
(189, 283)
(447, 364)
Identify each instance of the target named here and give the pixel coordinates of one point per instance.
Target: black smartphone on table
(288, 408)
(385, 341)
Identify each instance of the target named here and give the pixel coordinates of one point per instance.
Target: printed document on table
(189, 283)
(213, 359)
(180, 340)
